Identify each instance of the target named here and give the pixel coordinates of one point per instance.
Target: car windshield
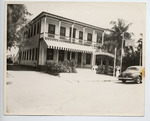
(133, 68)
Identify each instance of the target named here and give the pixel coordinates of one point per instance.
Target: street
(82, 93)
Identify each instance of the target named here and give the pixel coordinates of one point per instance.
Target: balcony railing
(56, 37)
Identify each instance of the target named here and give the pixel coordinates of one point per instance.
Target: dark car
(132, 73)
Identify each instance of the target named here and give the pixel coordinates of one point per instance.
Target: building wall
(30, 43)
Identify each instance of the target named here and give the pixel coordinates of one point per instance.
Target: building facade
(52, 37)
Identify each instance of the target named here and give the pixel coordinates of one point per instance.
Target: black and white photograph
(75, 58)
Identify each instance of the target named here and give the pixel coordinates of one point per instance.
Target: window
(99, 38)
(29, 33)
(68, 55)
(34, 29)
(88, 58)
(80, 35)
(36, 53)
(74, 32)
(25, 34)
(30, 55)
(79, 57)
(73, 55)
(27, 54)
(38, 28)
(62, 31)
(33, 54)
(51, 29)
(50, 54)
(61, 55)
(22, 55)
(89, 37)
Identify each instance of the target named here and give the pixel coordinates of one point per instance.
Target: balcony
(66, 43)
(74, 44)
(56, 37)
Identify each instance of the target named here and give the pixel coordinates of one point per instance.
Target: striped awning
(104, 53)
(68, 46)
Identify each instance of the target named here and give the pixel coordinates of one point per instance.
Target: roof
(44, 14)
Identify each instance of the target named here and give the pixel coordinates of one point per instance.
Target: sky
(96, 13)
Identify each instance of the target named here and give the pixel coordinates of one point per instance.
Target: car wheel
(138, 80)
(124, 81)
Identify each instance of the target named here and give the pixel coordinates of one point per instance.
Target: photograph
(74, 58)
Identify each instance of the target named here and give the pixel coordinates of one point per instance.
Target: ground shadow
(119, 82)
(16, 67)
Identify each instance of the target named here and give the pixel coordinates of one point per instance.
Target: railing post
(103, 37)
(72, 32)
(93, 59)
(45, 26)
(59, 26)
(93, 38)
(83, 35)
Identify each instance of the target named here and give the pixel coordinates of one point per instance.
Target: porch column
(76, 56)
(101, 61)
(82, 60)
(70, 55)
(93, 59)
(45, 26)
(65, 55)
(103, 37)
(56, 51)
(72, 32)
(59, 26)
(93, 38)
(83, 35)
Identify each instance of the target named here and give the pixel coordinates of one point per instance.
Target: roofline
(43, 14)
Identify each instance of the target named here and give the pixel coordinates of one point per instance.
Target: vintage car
(132, 73)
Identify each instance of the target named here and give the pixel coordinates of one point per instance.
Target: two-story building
(52, 37)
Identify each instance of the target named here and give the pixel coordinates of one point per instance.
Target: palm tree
(119, 34)
(120, 30)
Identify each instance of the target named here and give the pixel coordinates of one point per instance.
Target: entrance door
(61, 55)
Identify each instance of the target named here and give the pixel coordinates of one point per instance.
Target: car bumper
(125, 78)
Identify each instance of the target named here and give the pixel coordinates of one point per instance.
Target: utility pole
(140, 63)
(115, 62)
(121, 52)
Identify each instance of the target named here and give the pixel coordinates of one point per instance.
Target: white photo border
(78, 118)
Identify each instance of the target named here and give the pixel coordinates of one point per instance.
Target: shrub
(100, 69)
(54, 68)
(104, 69)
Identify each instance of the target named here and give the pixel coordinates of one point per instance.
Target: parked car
(132, 73)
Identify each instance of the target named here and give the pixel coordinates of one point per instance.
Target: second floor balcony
(67, 39)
